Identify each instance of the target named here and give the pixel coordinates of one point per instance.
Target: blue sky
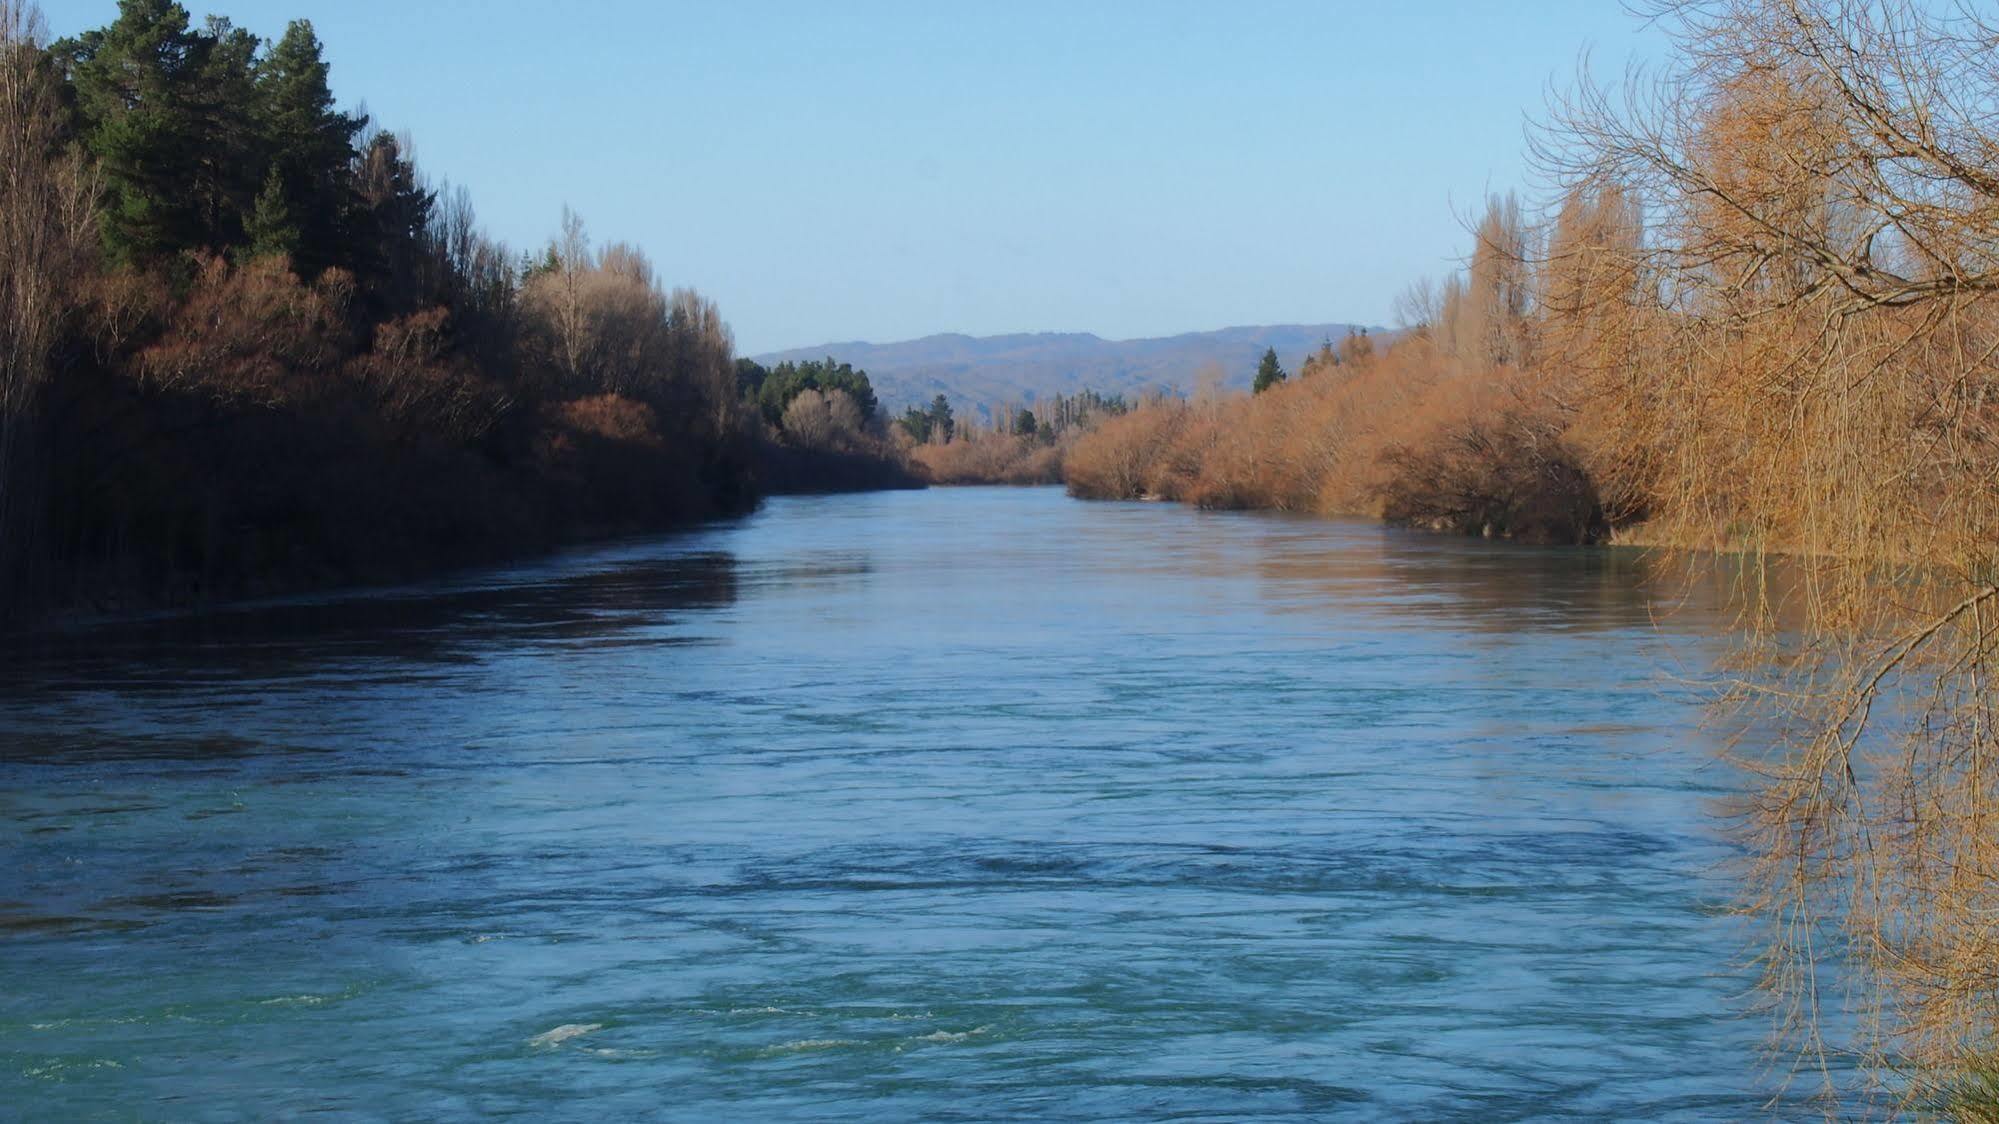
(873, 170)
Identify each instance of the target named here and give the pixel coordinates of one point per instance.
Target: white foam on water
(58, 1071)
(563, 1033)
(118, 1020)
(804, 1044)
(298, 1001)
(948, 1036)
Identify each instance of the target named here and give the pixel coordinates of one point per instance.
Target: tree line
(248, 344)
(1023, 444)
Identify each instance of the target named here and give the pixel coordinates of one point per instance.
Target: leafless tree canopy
(47, 196)
(1797, 355)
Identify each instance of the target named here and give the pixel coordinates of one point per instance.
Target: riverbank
(249, 351)
(991, 458)
(1407, 435)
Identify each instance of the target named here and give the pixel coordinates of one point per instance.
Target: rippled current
(949, 805)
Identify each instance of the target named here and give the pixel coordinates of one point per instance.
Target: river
(959, 804)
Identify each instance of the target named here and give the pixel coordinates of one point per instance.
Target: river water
(960, 804)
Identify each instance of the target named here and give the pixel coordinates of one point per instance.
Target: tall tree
(138, 87)
(391, 233)
(46, 201)
(1268, 372)
(941, 424)
(311, 145)
(227, 163)
(1489, 325)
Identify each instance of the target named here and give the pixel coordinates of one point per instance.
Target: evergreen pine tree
(1268, 373)
(311, 144)
(390, 235)
(136, 84)
(271, 229)
(941, 424)
(228, 160)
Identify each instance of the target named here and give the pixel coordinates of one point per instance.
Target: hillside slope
(983, 371)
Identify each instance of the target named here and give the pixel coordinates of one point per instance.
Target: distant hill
(983, 371)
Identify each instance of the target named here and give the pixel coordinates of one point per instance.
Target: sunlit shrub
(990, 458)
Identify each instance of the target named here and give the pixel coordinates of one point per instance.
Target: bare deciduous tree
(1804, 363)
(47, 199)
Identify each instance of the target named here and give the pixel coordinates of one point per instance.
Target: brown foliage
(601, 323)
(609, 417)
(420, 387)
(989, 458)
(200, 423)
(1404, 434)
(1493, 465)
(1802, 364)
(251, 334)
(1121, 459)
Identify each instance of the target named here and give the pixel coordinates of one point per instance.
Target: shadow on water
(1488, 587)
(1339, 566)
(631, 596)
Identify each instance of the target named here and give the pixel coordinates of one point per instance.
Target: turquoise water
(964, 804)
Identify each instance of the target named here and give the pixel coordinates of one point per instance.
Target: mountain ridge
(982, 372)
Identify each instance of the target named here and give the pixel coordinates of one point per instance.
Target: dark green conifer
(311, 144)
(1268, 373)
(271, 229)
(138, 90)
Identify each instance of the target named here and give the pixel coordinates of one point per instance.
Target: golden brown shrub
(1804, 366)
(419, 387)
(611, 417)
(252, 333)
(989, 458)
(1405, 433)
(1120, 459)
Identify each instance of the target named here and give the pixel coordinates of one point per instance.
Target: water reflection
(597, 597)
